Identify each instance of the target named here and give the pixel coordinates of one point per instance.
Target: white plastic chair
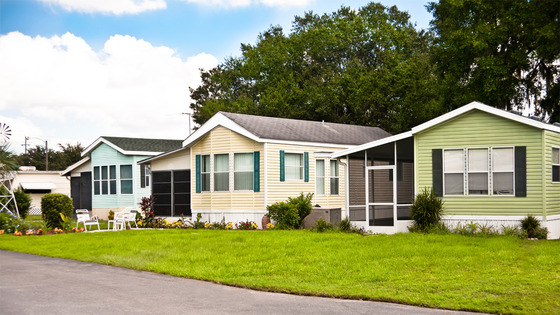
(83, 217)
(130, 216)
(118, 221)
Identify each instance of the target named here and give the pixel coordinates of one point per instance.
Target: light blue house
(109, 178)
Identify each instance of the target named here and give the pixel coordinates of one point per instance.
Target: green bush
(23, 201)
(532, 228)
(345, 225)
(53, 205)
(322, 226)
(426, 210)
(290, 214)
(10, 223)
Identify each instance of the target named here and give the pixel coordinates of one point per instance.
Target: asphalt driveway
(32, 284)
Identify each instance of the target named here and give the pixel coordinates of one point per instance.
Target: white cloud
(117, 7)
(245, 3)
(129, 88)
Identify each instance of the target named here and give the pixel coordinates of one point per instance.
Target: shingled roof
(305, 130)
(146, 145)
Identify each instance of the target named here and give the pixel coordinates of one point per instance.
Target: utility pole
(190, 118)
(47, 155)
(25, 145)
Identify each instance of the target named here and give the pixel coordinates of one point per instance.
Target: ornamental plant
(53, 205)
(247, 225)
(290, 214)
(147, 208)
(426, 210)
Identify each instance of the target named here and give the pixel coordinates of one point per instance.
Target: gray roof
(146, 145)
(306, 131)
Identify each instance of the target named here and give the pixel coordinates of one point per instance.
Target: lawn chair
(118, 221)
(83, 217)
(130, 216)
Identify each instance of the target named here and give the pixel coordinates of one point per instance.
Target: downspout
(346, 184)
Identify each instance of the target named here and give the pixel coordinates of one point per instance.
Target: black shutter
(520, 171)
(437, 172)
(142, 176)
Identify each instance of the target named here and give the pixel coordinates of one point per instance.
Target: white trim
(372, 144)
(218, 119)
(72, 167)
(462, 172)
(309, 144)
(157, 157)
(487, 109)
(317, 177)
(100, 140)
(553, 163)
(302, 179)
(337, 167)
(347, 186)
(265, 157)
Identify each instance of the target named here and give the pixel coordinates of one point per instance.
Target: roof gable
(135, 146)
(265, 129)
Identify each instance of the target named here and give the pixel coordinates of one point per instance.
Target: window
(144, 175)
(221, 172)
(502, 171)
(334, 177)
(294, 166)
(320, 177)
(556, 164)
(126, 179)
(243, 171)
(453, 172)
(205, 173)
(113, 180)
(96, 181)
(478, 172)
(104, 180)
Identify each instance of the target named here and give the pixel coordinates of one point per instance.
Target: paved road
(32, 284)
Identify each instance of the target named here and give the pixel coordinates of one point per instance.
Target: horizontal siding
(221, 140)
(105, 155)
(280, 191)
(478, 129)
(552, 190)
(176, 161)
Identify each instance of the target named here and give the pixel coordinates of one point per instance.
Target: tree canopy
(366, 67)
(58, 160)
(504, 53)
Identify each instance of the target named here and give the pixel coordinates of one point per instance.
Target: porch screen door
(381, 204)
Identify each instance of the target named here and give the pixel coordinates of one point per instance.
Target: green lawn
(487, 274)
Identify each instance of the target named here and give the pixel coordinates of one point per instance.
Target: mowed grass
(486, 274)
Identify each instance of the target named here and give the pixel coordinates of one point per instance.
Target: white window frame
(214, 172)
(319, 178)
(208, 173)
(512, 170)
(120, 179)
(147, 172)
(302, 166)
(107, 180)
(469, 172)
(462, 172)
(251, 170)
(555, 164)
(336, 176)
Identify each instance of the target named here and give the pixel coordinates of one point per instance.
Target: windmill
(6, 173)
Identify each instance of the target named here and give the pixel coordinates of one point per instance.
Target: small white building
(38, 183)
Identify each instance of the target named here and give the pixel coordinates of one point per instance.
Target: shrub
(198, 224)
(322, 226)
(111, 215)
(146, 206)
(345, 225)
(10, 223)
(511, 230)
(53, 205)
(247, 225)
(290, 214)
(23, 201)
(532, 228)
(426, 210)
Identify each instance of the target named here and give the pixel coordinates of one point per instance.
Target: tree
(367, 67)
(504, 53)
(58, 160)
(7, 162)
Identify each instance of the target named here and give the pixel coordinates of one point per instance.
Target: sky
(74, 70)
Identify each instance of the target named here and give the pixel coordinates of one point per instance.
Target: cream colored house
(238, 164)
(38, 183)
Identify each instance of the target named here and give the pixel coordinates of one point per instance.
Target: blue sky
(73, 70)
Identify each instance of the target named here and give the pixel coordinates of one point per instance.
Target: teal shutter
(520, 171)
(198, 173)
(256, 173)
(437, 172)
(306, 166)
(282, 167)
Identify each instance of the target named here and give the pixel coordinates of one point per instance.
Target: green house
(490, 166)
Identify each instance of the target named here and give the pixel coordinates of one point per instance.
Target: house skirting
(552, 222)
(233, 216)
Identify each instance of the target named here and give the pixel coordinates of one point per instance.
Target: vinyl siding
(280, 191)
(105, 155)
(176, 161)
(552, 190)
(219, 141)
(479, 129)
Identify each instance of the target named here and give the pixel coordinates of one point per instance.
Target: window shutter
(437, 172)
(282, 167)
(256, 173)
(306, 166)
(198, 173)
(520, 171)
(142, 176)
